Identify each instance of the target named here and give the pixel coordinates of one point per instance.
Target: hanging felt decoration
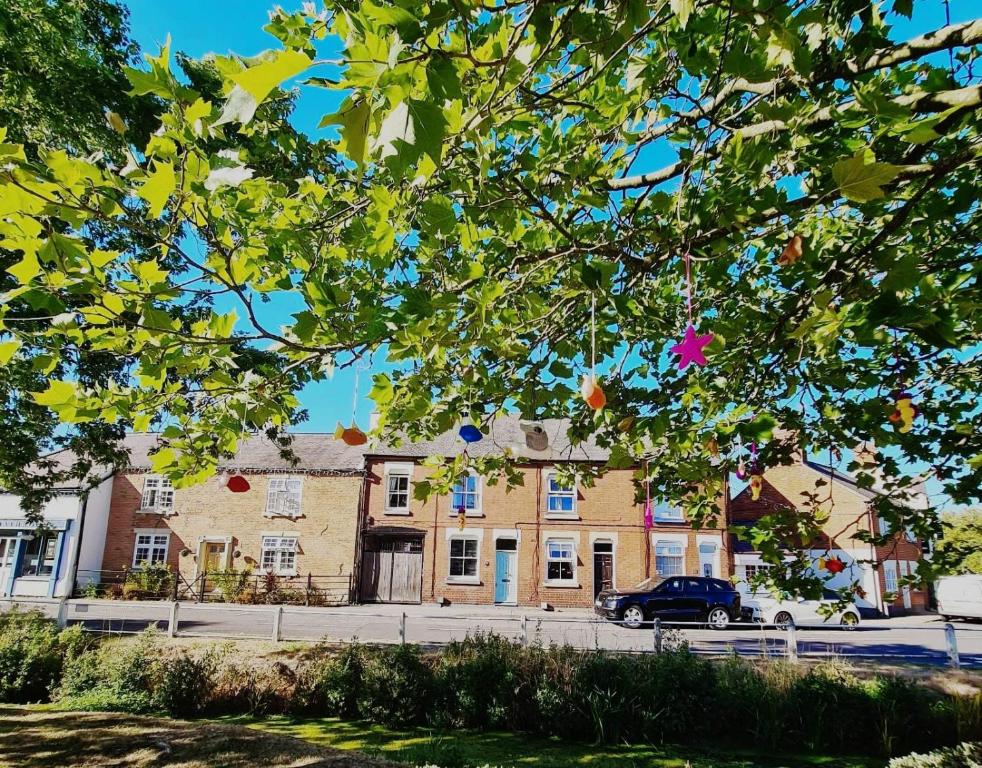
(238, 484)
(820, 563)
(792, 251)
(712, 445)
(649, 517)
(834, 565)
(591, 392)
(469, 433)
(625, 424)
(690, 348)
(904, 411)
(352, 435)
(741, 470)
(461, 519)
(756, 485)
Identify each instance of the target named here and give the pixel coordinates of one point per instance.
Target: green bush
(396, 687)
(32, 655)
(182, 684)
(962, 756)
(232, 584)
(112, 672)
(340, 682)
(478, 682)
(150, 580)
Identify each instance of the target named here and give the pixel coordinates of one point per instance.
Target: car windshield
(648, 584)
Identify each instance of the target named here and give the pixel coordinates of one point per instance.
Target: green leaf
(412, 129)
(254, 84)
(57, 395)
(903, 7)
(8, 349)
(382, 390)
(860, 181)
(158, 187)
(781, 47)
(353, 118)
(683, 9)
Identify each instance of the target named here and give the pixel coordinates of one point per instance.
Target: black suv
(675, 599)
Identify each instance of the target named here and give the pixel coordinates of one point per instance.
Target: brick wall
(326, 527)
(607, 512)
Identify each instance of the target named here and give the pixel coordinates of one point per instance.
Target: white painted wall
(64, 506)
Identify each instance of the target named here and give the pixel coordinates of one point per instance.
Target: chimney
(372, 420)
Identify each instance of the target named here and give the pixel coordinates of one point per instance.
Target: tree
(960, 548)
(819, 185)
(63, 88)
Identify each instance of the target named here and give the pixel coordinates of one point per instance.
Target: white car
(769, 609)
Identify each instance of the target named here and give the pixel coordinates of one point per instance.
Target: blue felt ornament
(470, 434)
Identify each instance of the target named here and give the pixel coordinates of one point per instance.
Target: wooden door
(214, 556)
(603, 572)
(392, 571)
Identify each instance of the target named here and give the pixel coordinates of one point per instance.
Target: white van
(960, 597)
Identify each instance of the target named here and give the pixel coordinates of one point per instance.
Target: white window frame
(573, 581)
(662, 512)
(884, 526)
(474, 578)
(477, 493)
(559, 493)
(680, 556)
(390, 472)
(161, 491)
(279, 501)
(277, 544)
(154, 535)
(890, 569)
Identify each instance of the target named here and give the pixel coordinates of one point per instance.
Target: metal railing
(932, 642)
(220, 587)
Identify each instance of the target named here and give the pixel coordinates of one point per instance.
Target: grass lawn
(465, 748)
(42, 738)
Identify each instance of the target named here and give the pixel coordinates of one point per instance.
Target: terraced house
(541, 543)
(848, 509)
(295, 522)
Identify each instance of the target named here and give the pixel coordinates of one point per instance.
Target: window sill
(465, 582)
(155, 511)
(467, 514)
(403, 512)
(561, 584)
(271, 516)
(557, 516)
(669, 521)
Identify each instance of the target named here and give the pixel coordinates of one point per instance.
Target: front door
(7, 547)
(214, 556)
(506, 572)
(603, 566)
(905, 590)
(707, 560)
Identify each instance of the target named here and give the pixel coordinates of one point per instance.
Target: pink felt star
(689, 349)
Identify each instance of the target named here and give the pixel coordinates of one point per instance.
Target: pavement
(917, 639)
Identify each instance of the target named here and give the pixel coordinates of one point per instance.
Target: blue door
(505, 580)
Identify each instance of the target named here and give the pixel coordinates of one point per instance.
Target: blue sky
(197, 27)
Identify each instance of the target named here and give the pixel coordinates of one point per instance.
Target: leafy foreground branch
(487, 683)
(486, 220)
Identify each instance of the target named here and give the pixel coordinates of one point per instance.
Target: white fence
(887, 641)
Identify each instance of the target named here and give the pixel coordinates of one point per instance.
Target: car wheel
(718, 618)
(849, 620)
(633, 616)
(784, 619)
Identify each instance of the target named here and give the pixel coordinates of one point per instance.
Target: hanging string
(593, 335)
(688, 284)
(354, 399)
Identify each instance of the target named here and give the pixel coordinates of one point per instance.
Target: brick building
(537, 543)
(294, 521)
(849, 509)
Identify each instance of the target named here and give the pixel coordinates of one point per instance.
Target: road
(902, 639)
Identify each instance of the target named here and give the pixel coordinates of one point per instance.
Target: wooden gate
(392, 570)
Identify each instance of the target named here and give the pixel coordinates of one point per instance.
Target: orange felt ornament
(756, 485)
(592, 393)
(792, 251)
(350, 435)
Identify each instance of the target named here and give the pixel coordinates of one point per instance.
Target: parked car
(960, 597)
(675, 599)
(772, 609)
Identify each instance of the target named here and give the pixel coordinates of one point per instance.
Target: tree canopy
(960, 548)
(505, 171)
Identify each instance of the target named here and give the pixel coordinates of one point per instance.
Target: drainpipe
(72, 570)
(436, 522)
(354, 594)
